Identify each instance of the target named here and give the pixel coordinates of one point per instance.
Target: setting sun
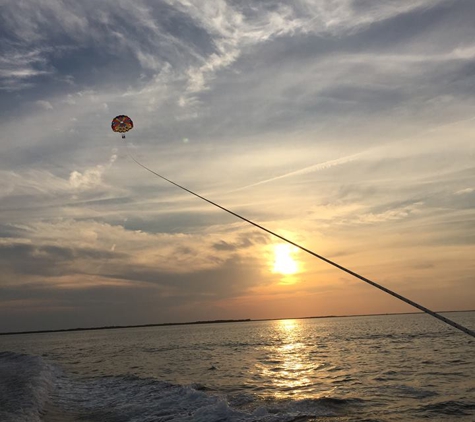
(284, 263)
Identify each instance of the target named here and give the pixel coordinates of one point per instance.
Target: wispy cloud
(465, 191)
(308, 169)
(44, 104)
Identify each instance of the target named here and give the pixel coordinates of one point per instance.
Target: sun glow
(284, 263)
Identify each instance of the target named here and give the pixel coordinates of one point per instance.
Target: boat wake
(33, 390)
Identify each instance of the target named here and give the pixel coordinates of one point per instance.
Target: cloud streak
(310, 169)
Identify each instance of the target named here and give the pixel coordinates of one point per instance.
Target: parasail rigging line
(328, 261)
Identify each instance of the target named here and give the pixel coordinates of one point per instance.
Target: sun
(284, 263)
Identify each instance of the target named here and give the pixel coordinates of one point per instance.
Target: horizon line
(215, 321)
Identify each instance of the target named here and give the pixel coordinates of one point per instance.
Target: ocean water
(374, 368)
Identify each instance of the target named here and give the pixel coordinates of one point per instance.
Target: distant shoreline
(216, 321)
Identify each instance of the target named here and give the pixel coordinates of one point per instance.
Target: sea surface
(374, 368)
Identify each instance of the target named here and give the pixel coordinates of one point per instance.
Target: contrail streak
(305, 170)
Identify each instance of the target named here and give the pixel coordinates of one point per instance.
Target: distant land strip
(215, 321)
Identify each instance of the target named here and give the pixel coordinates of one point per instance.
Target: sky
(347, 126)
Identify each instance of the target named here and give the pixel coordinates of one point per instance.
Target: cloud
(90, 178)
(26, 259)
(360, 112)
(46, 105)
(19, 67)
(226, 246)
(389, 215)
(212, 36)
(465, 191)
(309, 169)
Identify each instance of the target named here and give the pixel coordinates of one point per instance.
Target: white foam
(141, 400)
(26, 383)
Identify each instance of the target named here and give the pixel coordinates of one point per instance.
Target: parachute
(122, 124)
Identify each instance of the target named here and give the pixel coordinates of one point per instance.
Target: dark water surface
(374, 368)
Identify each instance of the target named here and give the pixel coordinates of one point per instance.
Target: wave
(450, 407)
(26, 384)
(32, 390)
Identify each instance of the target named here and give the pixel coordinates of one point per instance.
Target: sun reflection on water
(287, 365)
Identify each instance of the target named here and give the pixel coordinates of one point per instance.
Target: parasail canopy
(122, 124)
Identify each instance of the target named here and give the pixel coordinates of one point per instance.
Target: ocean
(370, 368)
